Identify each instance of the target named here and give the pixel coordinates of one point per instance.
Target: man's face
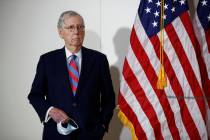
(73, 32)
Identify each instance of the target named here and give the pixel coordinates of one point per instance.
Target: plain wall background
(28, 29)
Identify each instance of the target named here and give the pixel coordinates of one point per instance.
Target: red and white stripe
(178, 111)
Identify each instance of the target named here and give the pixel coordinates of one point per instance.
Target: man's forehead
(73, 20)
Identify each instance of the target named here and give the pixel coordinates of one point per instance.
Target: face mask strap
(75, 124)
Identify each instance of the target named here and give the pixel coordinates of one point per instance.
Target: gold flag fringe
(127, 123)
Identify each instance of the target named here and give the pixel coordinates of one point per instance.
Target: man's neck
(73, 49)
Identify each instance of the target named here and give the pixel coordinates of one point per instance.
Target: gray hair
(68, 14)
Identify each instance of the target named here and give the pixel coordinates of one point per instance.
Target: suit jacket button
(74, 104)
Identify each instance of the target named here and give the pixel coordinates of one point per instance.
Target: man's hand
(58, 115)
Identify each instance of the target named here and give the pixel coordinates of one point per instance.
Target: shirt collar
(68, 53)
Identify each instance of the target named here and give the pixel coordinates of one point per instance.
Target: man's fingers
(58, 115)
(66, 120)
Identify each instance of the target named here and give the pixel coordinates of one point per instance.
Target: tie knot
(73, 57)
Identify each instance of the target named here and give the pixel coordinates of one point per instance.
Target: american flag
(179, 110)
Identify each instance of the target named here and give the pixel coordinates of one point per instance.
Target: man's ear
(60, 33)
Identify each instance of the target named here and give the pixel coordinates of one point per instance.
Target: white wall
(28, 29)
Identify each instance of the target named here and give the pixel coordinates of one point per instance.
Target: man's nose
(76, 30)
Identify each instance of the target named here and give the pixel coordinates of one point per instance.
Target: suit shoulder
(51, 54)
(94, 53)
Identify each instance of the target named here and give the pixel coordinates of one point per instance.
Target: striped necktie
(73, 73)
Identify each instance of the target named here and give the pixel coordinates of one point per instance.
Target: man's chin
(77, 45)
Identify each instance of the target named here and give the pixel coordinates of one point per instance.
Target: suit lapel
(84, 71)
(62, 70)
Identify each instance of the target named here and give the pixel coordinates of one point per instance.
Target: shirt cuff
(47, 116)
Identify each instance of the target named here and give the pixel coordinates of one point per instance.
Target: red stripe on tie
(73, 65)
(73, 77)
(74, 89)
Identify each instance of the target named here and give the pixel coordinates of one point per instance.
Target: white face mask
(65, 131)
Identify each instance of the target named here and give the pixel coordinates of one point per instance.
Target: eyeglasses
(72, 28)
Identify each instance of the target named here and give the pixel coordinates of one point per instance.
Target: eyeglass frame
(72, 28)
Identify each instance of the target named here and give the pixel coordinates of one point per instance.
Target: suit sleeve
(39, 90)
(107, 94)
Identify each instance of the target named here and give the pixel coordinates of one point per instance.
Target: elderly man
(72, 90)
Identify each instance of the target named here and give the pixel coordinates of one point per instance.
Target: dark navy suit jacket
(93, 104)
